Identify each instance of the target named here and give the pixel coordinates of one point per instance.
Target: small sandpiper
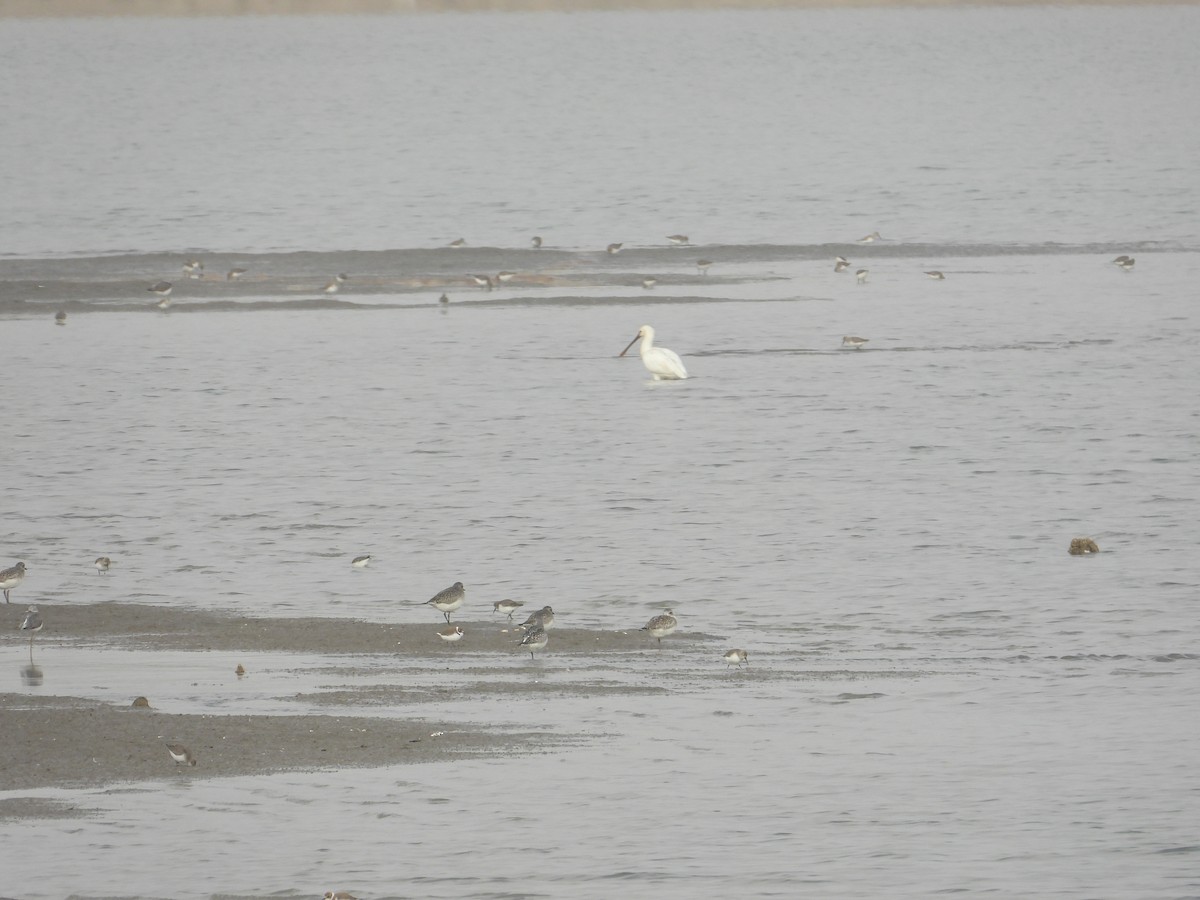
(32, 623)
(10, 578)
(505, 277)
(443, 300)
(861, 275)
(451, 633)
(335, 284)
(661, 626)
(936, 275)
(457, 243)
(60, 318)
(181, 754)
(1126, 263)
(484, 281)
(536, 242)
(853, 342)
(1122, 259)
(162, 290)
(535, 639)
(193, 268)
(543, 618)
(702, 265)
(613, 249)
(339, 895)
(677, 239)
(841, 264)
(361, 562)
(648, 283)
(737, 656)
(506, 606)
(870, 238)
(449, 600)
(234, 274)
(102, 563)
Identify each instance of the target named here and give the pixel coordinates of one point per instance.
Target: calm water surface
(939, 700)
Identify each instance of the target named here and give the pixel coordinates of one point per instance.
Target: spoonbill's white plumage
(659, 361)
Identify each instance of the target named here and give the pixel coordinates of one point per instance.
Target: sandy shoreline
(72, 742)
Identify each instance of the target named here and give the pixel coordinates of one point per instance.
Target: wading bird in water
(659, 361)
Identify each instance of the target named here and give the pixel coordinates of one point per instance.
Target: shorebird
(162, 290)
(853, 342)
(32, 623)
(506, 606)
(543, 619)
(193, 268)
(659, 361)
(240, 671)
(861, 275)
(613, 249)
(102, 563)
(870, 238)
(484, 281)
(451, 633)
(1122, 259)
(361, 562)
(60, 318)
(702, 265)
(737, 656)
(10, 578)
(841, 264)
(936, 275)
(457, 243)
(449, 600)
(1126, 263)
(443, 300)
(648, 283)
(234, 274)
(537, 242)
(181, 754)
(535, 639)
(339, 895)
(505, 277)
(677, 239)
(335, 284)
(660, 626)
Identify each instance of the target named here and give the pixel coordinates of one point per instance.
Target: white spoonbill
(659, 361)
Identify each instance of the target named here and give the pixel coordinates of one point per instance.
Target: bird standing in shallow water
(33, 624)
(659, 361)
(10, 578)
(102, 563)
(853, 342)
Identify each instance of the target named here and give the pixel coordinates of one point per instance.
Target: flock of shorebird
(534, 630)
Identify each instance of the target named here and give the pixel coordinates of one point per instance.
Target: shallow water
(939, 697)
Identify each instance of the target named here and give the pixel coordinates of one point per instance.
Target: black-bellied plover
(448, 600)
(661, 626)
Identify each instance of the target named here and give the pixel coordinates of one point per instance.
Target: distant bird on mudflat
(193, 268)
(361, 562)
(484, 281)
(841, 264)
(234, 274)
(451, 633)
(102, 565)
(649, 283)
(535, 639)
(10, 578)
(677, 239)
(870, 238)
(936, 275)
(60, 318)
(613, 249)
(736, 656)
(448, 600)
(181, 754)
(702, 265)
(444, 300)
(1126, 263)
(536, 242)
(456, 244)
(861, 275)
(853, 342)
(162, 290)
(505, 277)
(543, 618)
(661, 626)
